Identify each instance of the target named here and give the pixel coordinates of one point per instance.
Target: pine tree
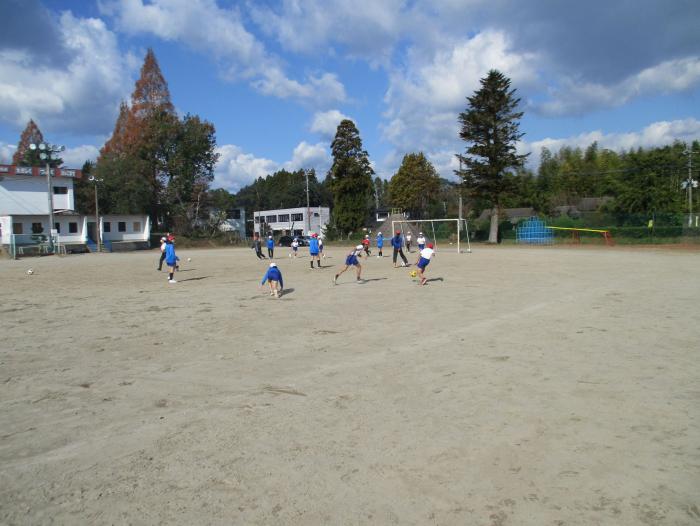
(490, 126)
(23, 155)
(415, 185)
(151, 90)
(350, 179)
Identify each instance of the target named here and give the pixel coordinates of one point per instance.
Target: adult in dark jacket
(397, 243)
(257, 246)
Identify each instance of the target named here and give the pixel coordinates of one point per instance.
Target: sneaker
(172, 281)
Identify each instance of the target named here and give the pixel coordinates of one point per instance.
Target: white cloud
(307, 155)
(659, 133)
(425, 97)
(6, 152)
(76, 156)
(237, 168)
(325, 123)
(363, 28)
(581, 97)
(80, 97)
(221, 34)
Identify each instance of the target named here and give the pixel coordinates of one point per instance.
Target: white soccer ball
(30, 271)
(189, 259)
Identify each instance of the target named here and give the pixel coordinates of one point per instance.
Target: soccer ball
(30, 271)
(189, 259)
(413, 274)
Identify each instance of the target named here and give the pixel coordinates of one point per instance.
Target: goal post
(411, 225)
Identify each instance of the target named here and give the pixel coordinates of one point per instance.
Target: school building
(292, 221)
(24, 214)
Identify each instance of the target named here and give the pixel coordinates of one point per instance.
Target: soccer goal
(427, 226)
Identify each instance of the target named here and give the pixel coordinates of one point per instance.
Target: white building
(235, 222)
(24, 205)
(293, 221)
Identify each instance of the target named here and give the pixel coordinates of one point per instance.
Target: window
(107, 226)
(261, 219)
(17, 228)
(37, 228)
(73, 228)
(315, 214)
(283, 218)
(121, 226)
(57, 227)
(137, 226)
(271, 219)
(236, 213)
(297, 217)
(60, 190)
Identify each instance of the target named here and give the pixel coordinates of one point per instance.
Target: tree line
(159, 164)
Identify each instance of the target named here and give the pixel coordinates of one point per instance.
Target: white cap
(273, 264)
(379, 234)
(420, 233)
(269, 237)
(359, 247)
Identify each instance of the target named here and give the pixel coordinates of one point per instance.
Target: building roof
(36, 171)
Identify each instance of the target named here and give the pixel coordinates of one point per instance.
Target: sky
(276, 77)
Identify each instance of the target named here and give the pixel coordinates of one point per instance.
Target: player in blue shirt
(314, 250)
(171, 258)
(274, 277)
(397, 243)
(380, 244)
(350, 261)
(270, 247)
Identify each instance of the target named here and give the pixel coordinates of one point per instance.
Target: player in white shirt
(295, 247)
(421, 241)
(424, 260)
(408, 242)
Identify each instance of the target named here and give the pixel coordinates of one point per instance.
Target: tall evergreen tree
(415, 185)
(350, 179)
(490, 126)
(117, 144)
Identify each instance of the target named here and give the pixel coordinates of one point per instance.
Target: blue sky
(276, 77)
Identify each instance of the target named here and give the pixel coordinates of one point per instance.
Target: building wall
(27, 195)
(235, 225)
(135, 227)
(319, 219)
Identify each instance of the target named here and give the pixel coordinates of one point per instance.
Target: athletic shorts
(421, 247)
(313, 253)
(295, 249)
(423, 263)
(351, 260)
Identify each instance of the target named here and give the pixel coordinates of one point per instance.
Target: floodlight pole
(98, 233)
(690, 186)
(51, 219)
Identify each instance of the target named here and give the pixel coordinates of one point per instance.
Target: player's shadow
(372, 279)
(187, 270)
(434, 279)
(194, 279)
(287, 291)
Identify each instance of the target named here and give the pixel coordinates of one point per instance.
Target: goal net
(440, 232)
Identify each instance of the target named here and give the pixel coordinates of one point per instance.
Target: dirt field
(543, 386)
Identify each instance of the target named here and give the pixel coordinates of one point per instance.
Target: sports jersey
(273, 274)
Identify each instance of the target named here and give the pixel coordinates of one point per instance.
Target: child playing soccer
(424, 258)
(380, 244)
(320, 248)
(397, 243)
(408, 242)
(270, 247)
(171, 258)
(294, 247)
(352, 260)
(274, 277)
(257, 246)
(365, 245)
(421, 241)
(314, 250)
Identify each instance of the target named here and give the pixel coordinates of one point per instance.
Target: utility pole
(689, 184)
(308, 208)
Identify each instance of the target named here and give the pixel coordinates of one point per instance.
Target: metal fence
(34, 245)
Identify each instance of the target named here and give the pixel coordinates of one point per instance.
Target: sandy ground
(544, 386)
